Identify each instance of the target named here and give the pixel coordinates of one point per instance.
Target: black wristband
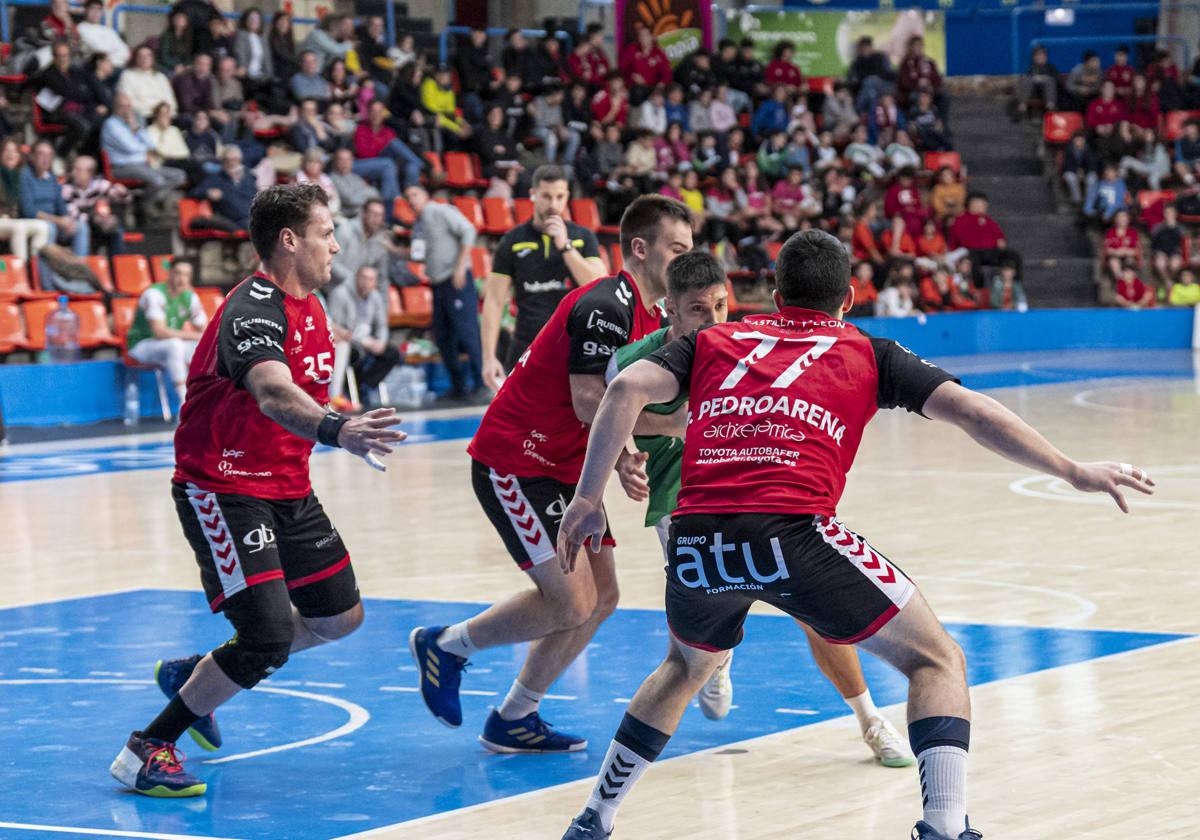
(331, 424)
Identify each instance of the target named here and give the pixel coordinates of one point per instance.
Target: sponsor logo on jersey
(814, 415)
(258, 341)
(226, 468)
(232, 453)
(260, 292)
(596, 321)
(259, 538)
(244, 323)
(308, 323)
(324, 541)
(767, 428)
(545, 286)
(696, 569)
(624, 293)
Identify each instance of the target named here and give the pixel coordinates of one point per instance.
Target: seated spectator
(1141, 106)
(101, 81)
(332, 37)
(308, 83)
(281, 43)
(641, 160)
(145, 86)
(256, 67)
(898, 246)
(749, 73)
(692, 196)
(550, 127)
(948, 292)
(167, 326)
(230, 192)
(353, 191)
(903, 198)
(520, 61)
(437, 98)
(359, 318)
(1132, 293)
(97, 38)
(1105, 110)
(838, 113)
(312, 171)
(792, 201)
(23, 236)
(884, 119)
(825, 155)
(736, 151)
(864, 246)
(364, 241)
(371, 48)
(931, 248)
(343, 86)
(1083, 82)
(772, 156)
(782, 72)
(979, 233)
(90, 201)
(215, 37)
(74, 105)
(1007, 291)
(1166, 246)
(549, 63)
(1150, 164)
(756, 204)
(900, 153)
(695, 74)
(201, 143)
(676, 108)
(1185, 291)
(1121, 73)
(721, 113)
(707, 159)
(58, 25)
(1079, 168)
(840, 195)
(310, 131)
(948, 197)
(1162, 74)
(862, 280)
(1121, 244)
(897, 300)
(1187, 152)
(176, 44)
(723, 206)
(375, 140)
(195, 88)
(132, 153)
(926, 121)
(919, 72)
(588, 62)
(772, 115)
(1040, 80)
(797, 154)
(1108, 195)
(644, 65)
(700, 113)
(870, 75)
(497, 149)
(864, 156)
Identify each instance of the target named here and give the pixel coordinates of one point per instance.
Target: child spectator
(792, 201)
(1107, 110)
(677, 109)
(772, 156)
(1185, 292)
(707, 158)
(1166, 245)
(900, 153)
(1132, 293)
(1187, 152)
(772, 114)
(864, 245)
(1121, 244)
(865, 156)
(1151, 163)
(781, 71)
(1007, 291)
(1121, 73)
(948, 197)
(1107, 197)
(825, 156)
(1080, 165)
(927, 123)
(903, 198)
(1141, 107)
(897, 298)
(865, 293)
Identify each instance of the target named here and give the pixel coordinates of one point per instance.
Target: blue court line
(57, 738)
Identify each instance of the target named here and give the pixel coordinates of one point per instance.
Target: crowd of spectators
(1130, 171)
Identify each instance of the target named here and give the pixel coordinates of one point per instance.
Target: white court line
(358, 715)
(837, 721)
(1083, 400)
(1024, 487)
(1086, 608)
(797, 712)
(109, 832)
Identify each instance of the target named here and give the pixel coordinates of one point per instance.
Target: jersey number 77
(818, 345)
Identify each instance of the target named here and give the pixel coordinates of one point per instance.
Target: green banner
(825, 40)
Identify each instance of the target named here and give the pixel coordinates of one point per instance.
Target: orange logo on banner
(659, 16)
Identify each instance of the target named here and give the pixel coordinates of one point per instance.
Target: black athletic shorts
(811, 567)
(242, 541)
(526, 511)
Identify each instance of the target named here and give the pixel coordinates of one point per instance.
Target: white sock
(864, 709)
(622, 767)
(520, 701)
(944, 788)
(455, 639)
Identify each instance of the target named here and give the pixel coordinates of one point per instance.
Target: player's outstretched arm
(495, 297)
(278, 397)
(637, 386)
(1006, 434)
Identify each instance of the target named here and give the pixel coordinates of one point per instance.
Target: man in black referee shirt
(540, 261)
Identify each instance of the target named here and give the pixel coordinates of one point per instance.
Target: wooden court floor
(1103, 750)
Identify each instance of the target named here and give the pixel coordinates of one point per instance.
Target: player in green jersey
(697, 296)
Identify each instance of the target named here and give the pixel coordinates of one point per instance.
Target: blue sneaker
(587, 826)
(529, 734)
(439, 673)
(924, 831)
(170, 676)
(154, 768)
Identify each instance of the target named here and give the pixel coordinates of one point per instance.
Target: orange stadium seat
(403, 212)
(132, 273)
(123, 312)
(417, 269)
(36, 312)
(821, 84)
(14, 281)
(481, 261)
(210, 299)
(98, 263)
(395, 311)
(93, 325)
(1058, 126)
(12, 329)
(460, 172)
(160, 267)
(1150, 205)
(1172, 124)
(469, 207)
(604, 258)
(195, 208)
(106, 167)
(522, 210)
(497, 216)
(437, 169)
(936, 160)
(417, 305)
(585, 212)
(618, 261)
(43, 128)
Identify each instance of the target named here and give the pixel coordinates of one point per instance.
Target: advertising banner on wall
(680, 26)
(825, 40)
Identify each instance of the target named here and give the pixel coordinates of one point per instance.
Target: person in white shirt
(145, 85)
(168, 325)
(97, 38)
(652, 114)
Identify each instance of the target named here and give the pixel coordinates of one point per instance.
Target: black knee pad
(262, 617)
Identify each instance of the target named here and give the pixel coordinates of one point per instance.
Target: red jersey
(603, 105)
(780, 72)
(1100, 112)
(591, 68)
(1115, 240)
(224, 443)
(975, 232)
(653, 67)
(917, 69)
(1133, 291)
(1121, 75)
(530, 428)
(777, 408)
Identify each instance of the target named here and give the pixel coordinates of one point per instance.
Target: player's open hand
(583, 521)
(371, 433)
(631, 470)
(1109, 477)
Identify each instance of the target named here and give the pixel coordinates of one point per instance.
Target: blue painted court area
(981, 371)
(339, 742)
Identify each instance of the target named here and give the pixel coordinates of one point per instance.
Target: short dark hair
(642, 218)
(374, 200)
(593, 28)
(976, 194)
(812, 271)
(548, 172)
(692, 271)
(282, 206)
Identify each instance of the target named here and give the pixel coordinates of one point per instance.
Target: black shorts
(811, 567)
(242, 541)
(525, 510)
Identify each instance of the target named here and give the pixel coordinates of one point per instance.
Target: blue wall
(87, 392)
(979, 32)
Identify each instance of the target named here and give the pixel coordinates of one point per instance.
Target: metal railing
(444, 38)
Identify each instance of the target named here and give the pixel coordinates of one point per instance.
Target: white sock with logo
(864, 709)
(520, 701)
(621, 768)
(943, 772)
(455, 639)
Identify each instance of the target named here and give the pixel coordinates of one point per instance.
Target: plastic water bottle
(62, 333)
(133, 402)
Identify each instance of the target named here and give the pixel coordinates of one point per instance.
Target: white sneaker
(889, 746)
(717, 694)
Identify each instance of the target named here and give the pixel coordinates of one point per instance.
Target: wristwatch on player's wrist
(329, 428)
(570, 246)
